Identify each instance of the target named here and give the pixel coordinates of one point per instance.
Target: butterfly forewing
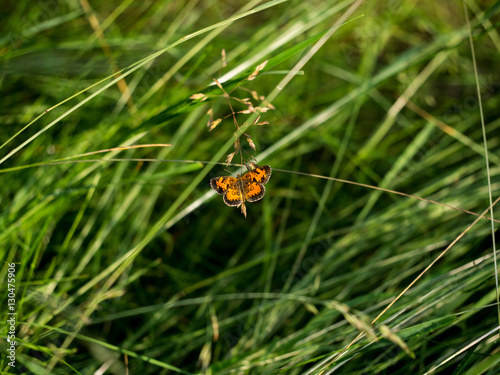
(260, 175)
(222, 184)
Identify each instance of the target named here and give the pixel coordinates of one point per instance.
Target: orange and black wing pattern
(249, 187)
(229, 188)
(253, 183)
(258, 174)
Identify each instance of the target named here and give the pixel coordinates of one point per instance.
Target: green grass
(126, 260)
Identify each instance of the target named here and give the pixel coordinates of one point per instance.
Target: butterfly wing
(222, 184)
(259, 174)
(254, 191)
(228, 186)
(253, 182)
(233, 196)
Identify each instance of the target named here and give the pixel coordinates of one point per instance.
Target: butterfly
(249, 187)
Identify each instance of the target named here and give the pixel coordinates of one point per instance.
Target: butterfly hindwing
(254, 191)
(233, 196)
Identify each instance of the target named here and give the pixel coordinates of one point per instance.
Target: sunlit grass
(127, 261)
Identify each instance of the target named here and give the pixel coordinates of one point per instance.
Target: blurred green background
(127, 265)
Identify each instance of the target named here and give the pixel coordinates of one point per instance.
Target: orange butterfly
(249, 187)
